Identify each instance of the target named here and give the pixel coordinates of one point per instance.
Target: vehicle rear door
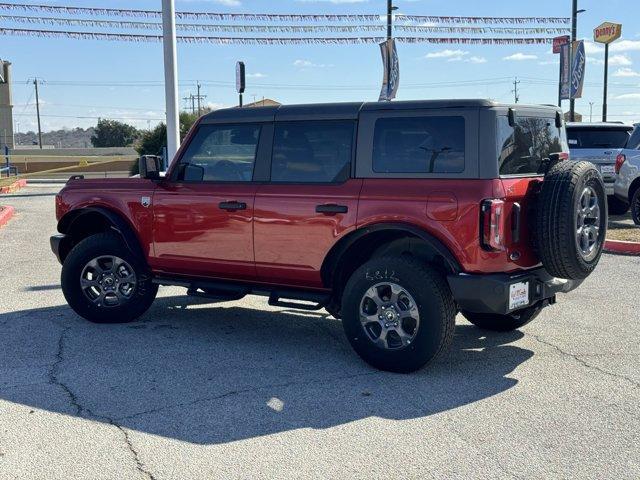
(310, 201)
(203, 213)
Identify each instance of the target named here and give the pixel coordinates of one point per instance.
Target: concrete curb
(622, 248)
(14, 187)
(5, 215)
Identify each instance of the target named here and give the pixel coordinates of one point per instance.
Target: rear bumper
(56, 241)
(491, 293)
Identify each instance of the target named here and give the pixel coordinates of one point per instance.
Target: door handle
(331, 209)
(232, 205)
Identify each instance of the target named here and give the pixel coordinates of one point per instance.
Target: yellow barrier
(78, 166)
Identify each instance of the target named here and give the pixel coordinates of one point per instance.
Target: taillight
(492, 224)
(620, 159)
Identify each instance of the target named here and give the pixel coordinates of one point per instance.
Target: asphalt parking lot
(244, 390)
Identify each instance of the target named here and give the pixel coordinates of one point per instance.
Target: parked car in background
(600, 144)
(627, 185)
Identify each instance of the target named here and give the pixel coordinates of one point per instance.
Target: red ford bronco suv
(392, 216)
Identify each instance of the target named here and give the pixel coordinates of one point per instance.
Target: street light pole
(389, 19)
(574, 35)
(170, 77)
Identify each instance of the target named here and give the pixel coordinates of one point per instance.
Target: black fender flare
(333, 258)
(118, 224)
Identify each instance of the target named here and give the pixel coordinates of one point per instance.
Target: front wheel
(104, 282)
(398, 313)
(503, 323)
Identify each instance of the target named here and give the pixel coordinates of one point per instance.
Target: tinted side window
(317, 152)
(419, 145)
(523, 146)
(597, 137)
(221, 153)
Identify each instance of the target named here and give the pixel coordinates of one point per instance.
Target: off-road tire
(503, 323)
(96, 246)
(557, 216)
(617, 206)
(635, 207)
(433, 300)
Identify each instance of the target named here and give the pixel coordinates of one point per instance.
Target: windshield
(597, 137)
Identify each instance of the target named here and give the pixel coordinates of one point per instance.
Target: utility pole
(390, 19)
(515, 89)
(35, 83)
(574, 35)
(170, 77)
(199, 98)
(590, 112)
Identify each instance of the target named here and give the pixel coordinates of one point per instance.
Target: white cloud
(625, 46)
(550, 62)
(519, 57)
(590, 47)
(626, 72)
(619, 60)
(595, 61)
(628, 96)
(256, 75)
(477, 60)
(457, 54)
(310, 64)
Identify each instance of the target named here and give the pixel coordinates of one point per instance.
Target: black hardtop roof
(348, 110)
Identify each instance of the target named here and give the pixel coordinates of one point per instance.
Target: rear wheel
(617, 206)
(503, 323)
(104, 282)
(635, 207)
(398, 313)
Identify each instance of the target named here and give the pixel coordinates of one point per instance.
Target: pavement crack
(584, 363)
(85, 412)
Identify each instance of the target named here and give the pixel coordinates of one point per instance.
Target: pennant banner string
(270, 40)
(278, 17)
(123, 24)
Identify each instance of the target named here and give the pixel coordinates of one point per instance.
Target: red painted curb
(14, 187)
(5, 214)
(624, 248)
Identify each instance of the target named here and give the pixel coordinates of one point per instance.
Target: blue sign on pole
(578, 64)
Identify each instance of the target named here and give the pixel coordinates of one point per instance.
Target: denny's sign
(607, 32)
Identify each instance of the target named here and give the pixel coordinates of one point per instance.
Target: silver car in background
(601, 144)
(627, 185)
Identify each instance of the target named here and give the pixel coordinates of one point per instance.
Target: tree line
(112, 133)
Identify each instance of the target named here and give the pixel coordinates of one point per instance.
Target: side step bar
(226, 292)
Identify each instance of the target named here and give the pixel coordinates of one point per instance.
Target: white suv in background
(601, 143)
(627, 168)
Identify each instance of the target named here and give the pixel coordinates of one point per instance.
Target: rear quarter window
(522, 147)
(430, 144)
(597, 137)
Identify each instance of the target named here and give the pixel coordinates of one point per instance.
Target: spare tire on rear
(571, 220)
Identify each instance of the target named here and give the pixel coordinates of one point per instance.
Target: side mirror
(150, 166)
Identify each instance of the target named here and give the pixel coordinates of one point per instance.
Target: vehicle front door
(203, 213)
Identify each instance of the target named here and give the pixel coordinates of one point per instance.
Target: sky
(86, 79)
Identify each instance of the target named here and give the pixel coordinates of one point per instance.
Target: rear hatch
(522, 147)
(599, 145)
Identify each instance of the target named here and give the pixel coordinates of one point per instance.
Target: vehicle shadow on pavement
(217, 373)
